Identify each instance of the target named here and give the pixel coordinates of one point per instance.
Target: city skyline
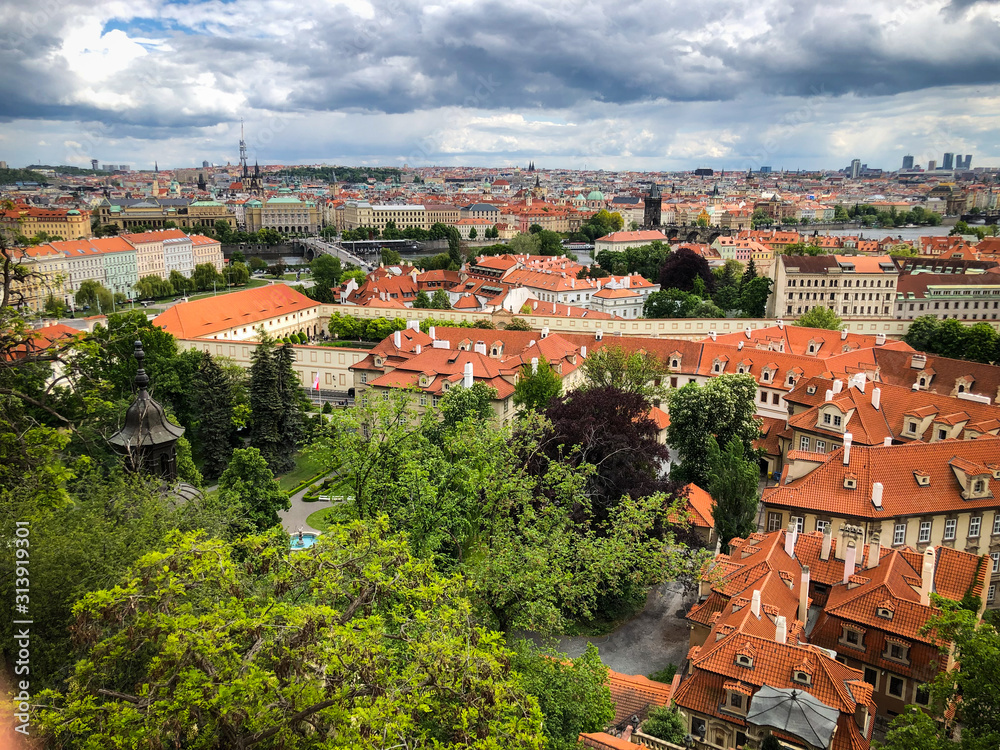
(644, 87)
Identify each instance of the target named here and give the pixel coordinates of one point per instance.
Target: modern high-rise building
(949, 161)
(94, 164)
(907, 162)
(931, 165)
(964, 164)
(855, 168)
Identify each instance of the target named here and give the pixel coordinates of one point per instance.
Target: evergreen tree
(423, 301)
(215, 424)
(265, 400)
(733, 479)
(440, 300)
(291, 423)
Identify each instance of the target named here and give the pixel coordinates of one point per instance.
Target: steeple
(156, 168)
(148, 440)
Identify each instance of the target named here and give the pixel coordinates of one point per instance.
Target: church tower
(653, 208)
(148, 440)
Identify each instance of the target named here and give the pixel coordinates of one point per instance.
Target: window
(896, 686)
(773, 521)
(871, 676)
(974, 523)
(912, 427)
(897, 651)
(949, 528)
(775, 398)
(990, 592)
(822, 526)
(923, 695)
(925, 531)
(827, 418)
(995, 556)
(804, 443)
(423, 399)
(836, 420)
(996, 523)
(763, 397)
(978, 486)
(799, 522)
(942, 434)
(899, 533)
(821, 446)
(735, 699)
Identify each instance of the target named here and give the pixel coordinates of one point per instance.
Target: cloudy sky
(647, 84)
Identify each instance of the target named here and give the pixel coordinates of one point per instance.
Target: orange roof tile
(210, 315)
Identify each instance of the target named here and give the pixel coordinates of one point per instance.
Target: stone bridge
(687, 233)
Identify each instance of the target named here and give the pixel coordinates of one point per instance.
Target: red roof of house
(204, 317)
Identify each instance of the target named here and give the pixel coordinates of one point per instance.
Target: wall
(330, 363)
(693, 329)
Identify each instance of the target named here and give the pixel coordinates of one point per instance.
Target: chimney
(413, 275)
(739, 346)
(850, 555)
(876, 397)
(413, 325)
(755, 603)
(531, 343)
(927, 576)
(746, 332)
(838, 385)
(397, 339)
(712, 335)
(877, 494)
(430, 332)
(781, 324)
(534, 365)
(848, 437)
(824, 552)
(874, 551)
(583, 352)
(467, 376)
(843, 334)
(419, 349)
(828, 396)
(780, 630)
(804, 594)
(879, 339)
(887, 440)
(790, 539)
(545, 332)
(599, 334)
(480, 347)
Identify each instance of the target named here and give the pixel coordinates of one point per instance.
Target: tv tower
(243, 152)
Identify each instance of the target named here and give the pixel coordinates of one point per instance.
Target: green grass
(305, 469)
(253, 283)
(325, 518)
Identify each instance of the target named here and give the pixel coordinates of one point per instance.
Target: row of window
(899, 529)
(862, 283)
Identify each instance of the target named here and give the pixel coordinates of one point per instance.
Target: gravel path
(651, 640)
(295, 517)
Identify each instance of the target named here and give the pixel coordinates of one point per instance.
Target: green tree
(473, 234)
(422, 300)
(238, 274)
(353, 641)
(249, 486)
(965, 695)
(475, 403)
(205, 276)
(921, 332)
(612, 366)
(113, 362)
(266, 402)
(55, 308)
(820, 317)
(94, 294)
(153, 287)
(455, 248)
(215, 421)
(391, 257)
(257, 264)
(760, 218)
(671, 303)
(733, 480)
(519, 324)
(724, 408)
(357, 274)
(525, 244)
(535, 389)
(666, 723)
(326, 271)
(573, 694)
(440, 300)
(180, 283)
(753, 296)
(293, 404)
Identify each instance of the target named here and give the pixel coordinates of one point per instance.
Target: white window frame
(925, 532)
(804, 443)
(975, 526)
(995, 556)
(822, 526)
(991, 593)
(950, 529)
(821, 446)
(800, 523)
(899, 534)
(996, 523)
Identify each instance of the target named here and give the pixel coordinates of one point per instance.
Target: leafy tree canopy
(820, 317)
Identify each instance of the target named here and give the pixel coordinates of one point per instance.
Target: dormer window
(912, 428)
(744, 661)
(379, 361)
(922, 382)
(850, 482)
(979, 486)
(884, 613)
(675, 363)
(803, 678)
(923, 478)
(812, 348)
(766, 375)
(897, 650)
(716, 367)
(811, 390)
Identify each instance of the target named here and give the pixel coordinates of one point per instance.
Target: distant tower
(931, 165)
(907, 162)
(148, 441)
(855, 168)
(652, 213)
(156, 167)
(243, 153)
(201, 182)
(949, 161)
(94, 164)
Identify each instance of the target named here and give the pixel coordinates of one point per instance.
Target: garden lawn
(305, 469)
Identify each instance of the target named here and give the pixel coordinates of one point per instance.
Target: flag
(316, 382)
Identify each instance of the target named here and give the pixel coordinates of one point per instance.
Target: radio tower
(244, 171)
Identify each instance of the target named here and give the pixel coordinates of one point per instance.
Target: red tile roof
(211, 315)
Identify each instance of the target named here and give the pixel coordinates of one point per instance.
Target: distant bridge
(987, 217)
(686, 233)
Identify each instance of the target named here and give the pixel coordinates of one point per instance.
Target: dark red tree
(682, 267)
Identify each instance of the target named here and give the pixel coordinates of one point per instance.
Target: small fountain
(302, 540)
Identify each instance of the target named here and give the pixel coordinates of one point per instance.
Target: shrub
(664, 675)
(666, 724)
